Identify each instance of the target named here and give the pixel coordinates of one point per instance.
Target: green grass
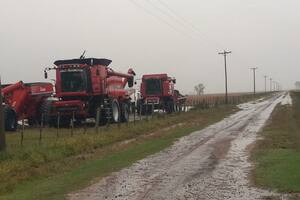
(64, 164)
(55, 187)
(277, 156)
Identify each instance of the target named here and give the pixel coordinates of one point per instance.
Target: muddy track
(207, 164)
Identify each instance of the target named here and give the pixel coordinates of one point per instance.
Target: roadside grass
(277, 156)
(60, 165)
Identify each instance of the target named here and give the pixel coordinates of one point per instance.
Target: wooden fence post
(2, 129)
(133, 110)
(41, 128)
(22, 131)
(72, 124)
(140, 113)
(97, 120)
(58, 121)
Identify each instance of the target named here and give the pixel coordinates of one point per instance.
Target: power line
(175, 19)
(160, 19)
(187, 22)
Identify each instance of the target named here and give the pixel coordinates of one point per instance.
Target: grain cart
(24, 101)
(86, 85)
(157, 92)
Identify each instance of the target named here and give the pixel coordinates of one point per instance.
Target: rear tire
(125, 112)
(115, 108)
(11, 122)
(170, 107)
(32, 122)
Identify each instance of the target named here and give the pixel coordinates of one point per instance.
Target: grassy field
(277, 156)
(62, 164)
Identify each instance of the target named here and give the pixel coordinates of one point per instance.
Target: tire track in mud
(207, 164)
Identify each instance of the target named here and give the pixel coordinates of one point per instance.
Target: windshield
(153, 87)
(73, 80)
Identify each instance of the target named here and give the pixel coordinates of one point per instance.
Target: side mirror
(174, 81)
(45, 74)
(135, 82)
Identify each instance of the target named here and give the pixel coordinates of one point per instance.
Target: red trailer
(157, 92)
(24, 101)
(85, 85)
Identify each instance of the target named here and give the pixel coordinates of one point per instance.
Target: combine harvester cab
(25, 101)
(85, 85)
(157, 92)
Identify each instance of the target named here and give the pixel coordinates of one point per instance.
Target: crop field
(211, 100)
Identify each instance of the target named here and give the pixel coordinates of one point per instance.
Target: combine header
(24, 101)
(85, 85)
(157, 92)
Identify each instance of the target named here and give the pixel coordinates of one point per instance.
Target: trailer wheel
(170, 107)
(125, 112)
(10, 117)
(115, 110)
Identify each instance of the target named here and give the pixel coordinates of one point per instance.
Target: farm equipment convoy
(24, 101)
(86, 85)
(157, 92)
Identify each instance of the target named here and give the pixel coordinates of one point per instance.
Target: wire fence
(42, 132)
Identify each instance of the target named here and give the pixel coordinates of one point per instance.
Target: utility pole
(270, 84)
(224, 53)
(265, 76)
(2, 131)
(254, 70)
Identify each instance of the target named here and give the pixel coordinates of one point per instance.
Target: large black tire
(32, 122)
(169, 107)
(10, 116)
(115, 111)
(149, 109)
(142, 108)
(124, 112)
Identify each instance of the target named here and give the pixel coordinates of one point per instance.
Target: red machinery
(86, 84)
(24, 101)
(157, 92)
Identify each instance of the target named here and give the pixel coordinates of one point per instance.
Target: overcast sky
(147, 36)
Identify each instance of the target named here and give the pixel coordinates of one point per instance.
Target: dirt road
(207, 164)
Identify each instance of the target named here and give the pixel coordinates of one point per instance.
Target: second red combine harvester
(86, 85)
(157, 92)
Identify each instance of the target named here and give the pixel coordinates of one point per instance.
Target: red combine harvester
(157, 92)
(86, 84)
(24, 101)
